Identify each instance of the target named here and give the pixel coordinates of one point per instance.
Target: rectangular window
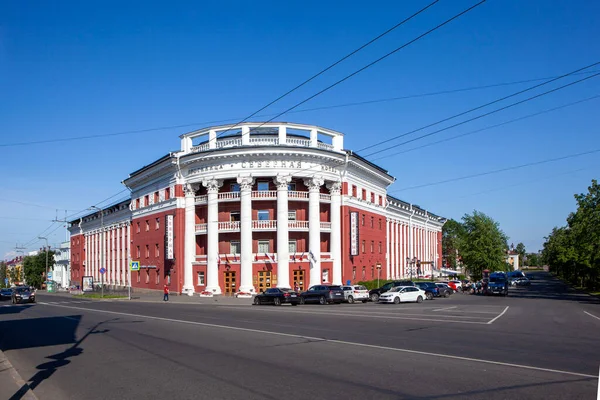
(148, 276)
(380, 247)
(138, 228)
(234, 247)
(372, 222)
(234, 216)
(372, 246)
(292, 215)
(167, 193)
(372, 272)
(353, 273)
(138, 252)
(363, 246)
(364, 194)
(325, 275)
(364, 273)
(147, 251)
(156, 250)
(201, 278)
(157, 223)
(354, 191)
(263, 186)
(137, 203)
(379, 223)
(292, 186)
(138, 277)
(363, 220)
(157, 278)
(168, 279)
(372, 197)
(146, 201)
(292, 246)
(234, 187)
(155, 197)
(380, 200)
(263, 215)
(263, 246)
(147, 225)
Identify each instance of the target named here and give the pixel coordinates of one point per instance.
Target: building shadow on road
(14, 309)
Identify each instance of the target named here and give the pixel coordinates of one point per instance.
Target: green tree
(451, 234)
(533, 260)
(3, 273)
(482, 244)
(521, 251)
(35, 268)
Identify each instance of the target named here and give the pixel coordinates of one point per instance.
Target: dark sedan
(5, 293)
(323, 294)
(430, 288)
(277, 297)
(23, 295)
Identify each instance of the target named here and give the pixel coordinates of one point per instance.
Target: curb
(6, 368)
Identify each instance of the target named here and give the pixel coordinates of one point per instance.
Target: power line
(29, 204)
(488, 127)
(303, 110)
(479, 107)
(585, 153)
(375, 62)
(334, 64)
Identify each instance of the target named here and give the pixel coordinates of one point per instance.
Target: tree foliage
(573, 251)
(520, 249)
(35, 268)
(3, 273)
(482, 244)
(451, 233)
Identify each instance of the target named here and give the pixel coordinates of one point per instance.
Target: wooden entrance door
(230, 281)
(299, 279)
(264, 280)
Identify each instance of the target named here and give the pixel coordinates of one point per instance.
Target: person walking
(166, 292)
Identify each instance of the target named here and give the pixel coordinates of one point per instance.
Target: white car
(402, 294)
(353, 293)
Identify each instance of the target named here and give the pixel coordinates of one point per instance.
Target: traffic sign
(102, 270)
(49, 275)
(6, 281)
(134, 265)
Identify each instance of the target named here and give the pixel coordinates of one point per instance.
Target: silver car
(354, 293)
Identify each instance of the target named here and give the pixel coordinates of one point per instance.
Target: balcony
(201, 199)
(229, 226)
(229, 196)
(264, 195)
(293, 195)
(296, 195)
(298, 225)
(264, 225)
(325, 226)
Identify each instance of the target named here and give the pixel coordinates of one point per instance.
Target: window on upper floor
(234, 247)
(156, 250)
(380, 200)
(291, 215)
(372, 197)
(138, 228)
(147, 225)
(354, 191)
(372, 246)
(138, 251)
(364, 194)
(157, 226)
(263, 186)
(156, 197)
(380, 247)
(147, 251)
(372, 222)
(137, 203)
(234, 216)
(146, 201)
(167, 193)
(292, 248)
(363, 220)
(263, 215)
(234, 187)
(380, 224)
(363, 247)
(263, 246)
(292, 186)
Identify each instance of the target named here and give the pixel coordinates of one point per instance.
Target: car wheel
(277, 301)
(256, 301)
(420, 299)
(429, 296)
(446, 294)
(374, 297)
(397, 300)
(302, 301)
(33, 301)
(350, 299)
(322, 300)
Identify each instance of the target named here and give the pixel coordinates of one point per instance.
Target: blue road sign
(102, 270)
(134, 265)
(6, 281)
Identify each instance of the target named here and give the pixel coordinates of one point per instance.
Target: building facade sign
(169, 237)
(353, 233)
(260, 164)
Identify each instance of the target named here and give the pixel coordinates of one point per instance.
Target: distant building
(14, 269)
(62, 264)
(513, 259)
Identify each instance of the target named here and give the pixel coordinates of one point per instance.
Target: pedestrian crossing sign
(134, 265)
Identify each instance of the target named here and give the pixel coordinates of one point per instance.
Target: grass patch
(99, 296)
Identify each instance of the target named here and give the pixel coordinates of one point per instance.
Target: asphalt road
(540, 342)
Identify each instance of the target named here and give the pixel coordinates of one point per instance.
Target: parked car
(375, 293)
(323, 294)
(5, 293)
(430, 289)
(401, 294)
(277, 297)
(444, 289)
(521, 282)
(356, 293)
(23, 294)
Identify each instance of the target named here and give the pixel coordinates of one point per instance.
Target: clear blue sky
(72, 68)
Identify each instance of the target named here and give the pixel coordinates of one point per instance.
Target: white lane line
(501, 314)
(360, 314)
(593, 316)
(445, 308)
(342, 342)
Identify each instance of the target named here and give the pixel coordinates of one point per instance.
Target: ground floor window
(234, 247)
(263, 246)
(292, 246)
(201, 278)
(325, 274)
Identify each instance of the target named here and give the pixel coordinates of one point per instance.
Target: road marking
(342, 342)
(501, 314)
(593, 316)
(445, 308)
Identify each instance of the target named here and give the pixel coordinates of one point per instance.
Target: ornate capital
(314, 183)
(190, 188)
(245, 182)
(212, 185)
(282, 181)
(334, 187)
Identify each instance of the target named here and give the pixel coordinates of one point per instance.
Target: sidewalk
(11, 382)
(158, 298)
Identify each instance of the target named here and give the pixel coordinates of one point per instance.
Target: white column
(94, 257)
(127, 248)
(87, 258)
(388, 242)
(401, 247)
(335, 239)
(246, 183)
(189, 239)
(112, 256)
(212, 235)
(314, 229)
(398, 249)
(394, 250)
(118, 255)
(283, 248)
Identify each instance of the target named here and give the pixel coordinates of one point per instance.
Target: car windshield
(335, 288)
(397, 289)
(360, 287)
(21, 290)
(496, 279)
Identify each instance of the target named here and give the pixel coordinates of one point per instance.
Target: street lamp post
(46, 277)
(101, 248)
